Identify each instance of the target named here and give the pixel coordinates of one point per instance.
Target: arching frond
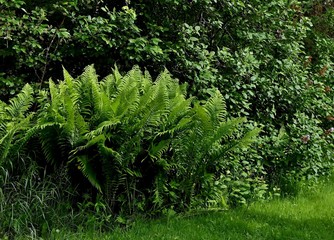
(19, 105)
(156, 150)
(216, 108)
(87, 169)
(226, 129)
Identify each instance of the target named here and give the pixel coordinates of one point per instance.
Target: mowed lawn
(308, 216)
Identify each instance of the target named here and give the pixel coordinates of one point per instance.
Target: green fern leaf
(156, 150)
(19, 105)
(88, 171)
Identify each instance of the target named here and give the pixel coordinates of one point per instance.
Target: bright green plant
(142, 144)
(15, 121)
(139, 142)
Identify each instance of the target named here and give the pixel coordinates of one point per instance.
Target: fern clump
(140, 143)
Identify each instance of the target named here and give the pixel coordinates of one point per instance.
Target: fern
(137, 141)
(215, 108)
(15, 121)
(19, 105)
(202, 147)
(88, 171)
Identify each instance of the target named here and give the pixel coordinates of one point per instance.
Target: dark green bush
(194, 44)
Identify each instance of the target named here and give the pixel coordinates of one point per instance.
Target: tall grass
(32, 204)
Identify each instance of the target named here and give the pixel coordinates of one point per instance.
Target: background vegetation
(110, 147)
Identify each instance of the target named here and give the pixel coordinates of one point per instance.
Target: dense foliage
(207, 43)
(271, 62)
(144, 146)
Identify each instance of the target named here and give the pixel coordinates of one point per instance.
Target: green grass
(308, 216)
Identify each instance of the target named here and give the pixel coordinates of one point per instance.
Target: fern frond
(94, 141)
(156, 150)
(12, 137)
(127, 99)
(69, 81)
(48, 137)
(216, 108)
(177, 127)
(28, 132)
(179, 108)
(106, 126)
(117, 76)
(130, 79)
(54, 93)
(202, 118)
(19, 105)
(146, 82)
(108, 85)
(90, 77)
(6, 144)
(108, 153)
(88, 171)
(70, 111)
(226, 129)
(241, 143)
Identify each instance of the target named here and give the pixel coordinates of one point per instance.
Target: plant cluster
(142, 145)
